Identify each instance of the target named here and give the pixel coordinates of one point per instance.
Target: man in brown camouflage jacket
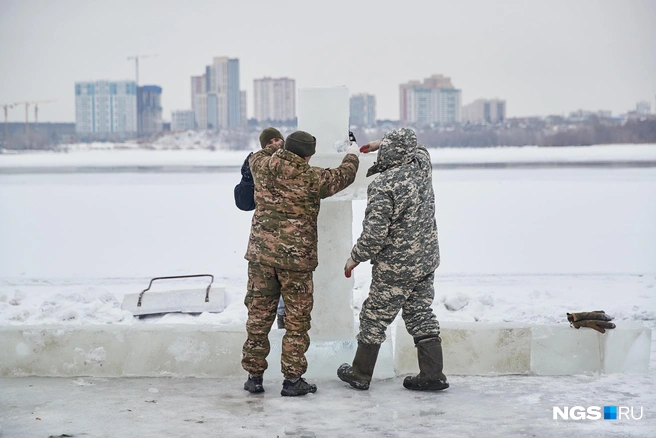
(282, 253)
(399, 236)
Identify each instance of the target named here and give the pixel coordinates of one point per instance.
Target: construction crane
(36, 114)
(7, 106)
(36, 109)
(136, 62)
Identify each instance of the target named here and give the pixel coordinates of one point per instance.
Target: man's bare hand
(350, 265)
(370, 147)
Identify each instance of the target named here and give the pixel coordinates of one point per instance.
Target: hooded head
(301, 143)
(397, 147)
(269, 134)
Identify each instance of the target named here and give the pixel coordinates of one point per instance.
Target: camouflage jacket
(399, 231)
(288, 192)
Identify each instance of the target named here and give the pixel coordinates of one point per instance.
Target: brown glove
(600, 326)
(595, 315)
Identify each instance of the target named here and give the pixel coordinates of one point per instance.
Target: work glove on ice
(596, 320)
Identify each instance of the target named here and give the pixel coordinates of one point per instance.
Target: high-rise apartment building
(433, 101)
(643, 107)
(103, 108)
(274, 99)
(363, 110)
(484, 111)
(244, 106)
(216, 97)
(199, 100)
(182, 120)
(149, 109)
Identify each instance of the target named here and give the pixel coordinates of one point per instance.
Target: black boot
(359, 375)
(281, 321)
(294, 387)
(430, 377)
(254, 384)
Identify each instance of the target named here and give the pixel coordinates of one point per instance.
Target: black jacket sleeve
(245, 190)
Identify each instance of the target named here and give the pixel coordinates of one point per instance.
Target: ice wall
(215, 351)
(557, 349)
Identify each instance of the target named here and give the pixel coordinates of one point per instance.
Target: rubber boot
(281, 321)
(430, 377)
(359, 374)
(295, 387)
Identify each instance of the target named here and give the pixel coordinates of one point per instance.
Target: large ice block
(627, 350)
(158, 350)
(122, 351)
(324, 113)
(215, 351)
(469, 348)
(558, 349)
(332, 315)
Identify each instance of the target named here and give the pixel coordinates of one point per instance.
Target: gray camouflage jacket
(399, 231)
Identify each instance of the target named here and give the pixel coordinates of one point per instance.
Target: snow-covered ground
(517, 245)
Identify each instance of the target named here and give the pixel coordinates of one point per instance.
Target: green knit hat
(301, 143)
(269, 134)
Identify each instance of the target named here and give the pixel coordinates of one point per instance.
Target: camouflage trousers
(387, 296)
(265, 286)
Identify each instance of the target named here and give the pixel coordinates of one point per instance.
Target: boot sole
(290, 394)
(255, 391)
(439, 387)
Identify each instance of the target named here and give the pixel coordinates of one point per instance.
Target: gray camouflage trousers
(387, 296)
(265, 287)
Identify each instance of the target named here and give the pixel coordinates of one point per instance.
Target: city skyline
(542, 57)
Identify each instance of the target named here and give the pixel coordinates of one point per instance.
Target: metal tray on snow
(195, 300)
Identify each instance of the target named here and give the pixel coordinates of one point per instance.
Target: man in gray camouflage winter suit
(399, 236)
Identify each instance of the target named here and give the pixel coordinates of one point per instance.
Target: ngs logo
(594, 413)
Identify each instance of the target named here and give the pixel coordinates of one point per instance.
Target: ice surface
(500, 406)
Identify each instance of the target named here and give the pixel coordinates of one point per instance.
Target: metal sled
(196, 300)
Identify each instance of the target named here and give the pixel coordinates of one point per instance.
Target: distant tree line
(518, 132)
(549, 131)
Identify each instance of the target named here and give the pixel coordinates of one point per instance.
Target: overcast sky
(543, 57)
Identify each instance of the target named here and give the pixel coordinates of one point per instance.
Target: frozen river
(510, 221)
(517, 245)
